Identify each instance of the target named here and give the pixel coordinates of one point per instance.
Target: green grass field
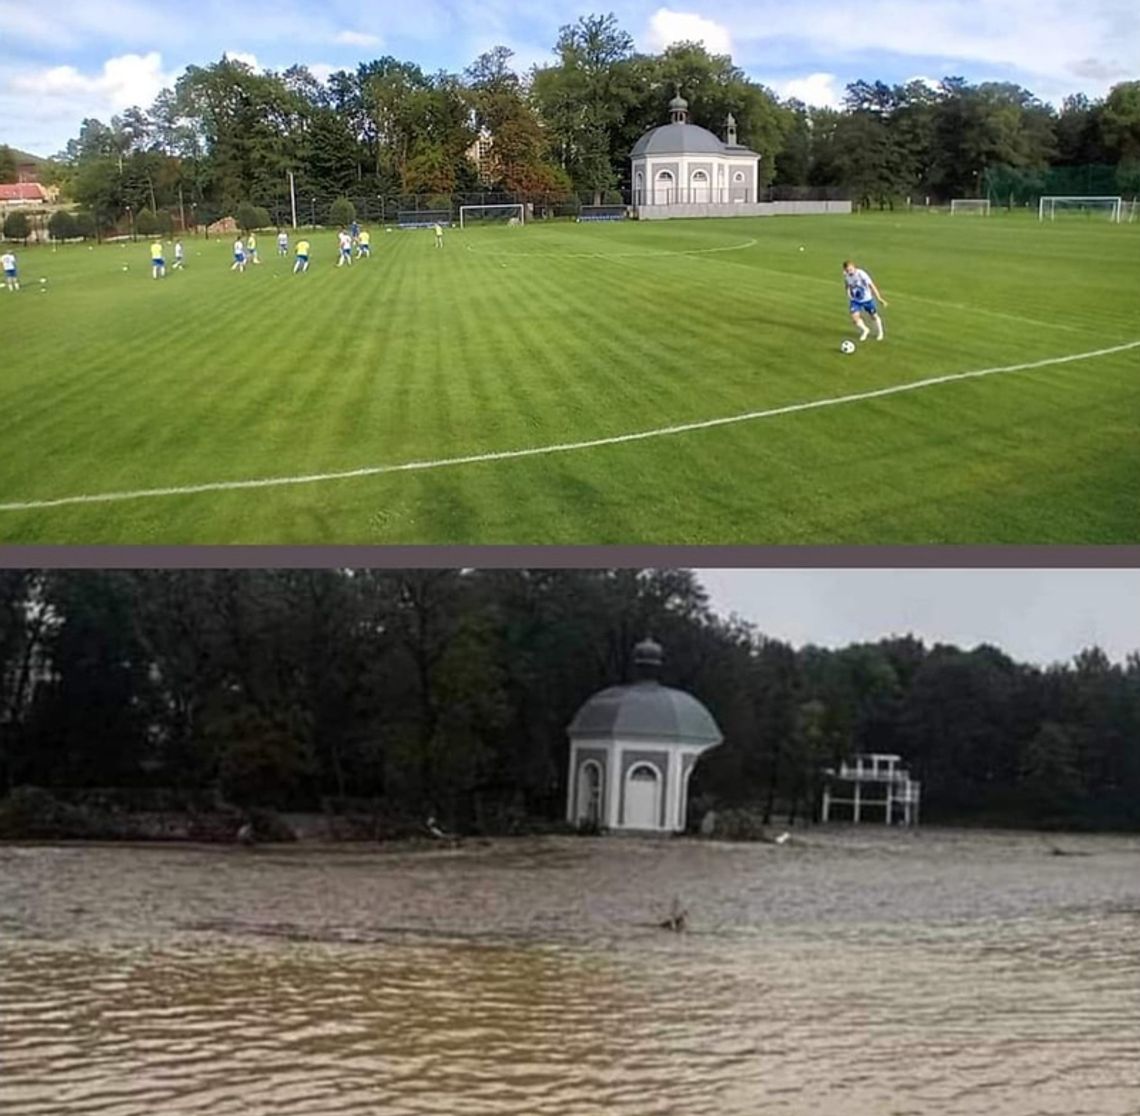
(551, 336)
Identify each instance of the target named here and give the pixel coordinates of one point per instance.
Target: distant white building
(683, 170)
(871, 786)
(481, 153)
(632, 752)
(683, 164)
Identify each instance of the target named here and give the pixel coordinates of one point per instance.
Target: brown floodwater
(849, 971)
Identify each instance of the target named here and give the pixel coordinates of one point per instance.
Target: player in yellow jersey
(302, 263)
(157, 262)
(251, 248)
(363, 243)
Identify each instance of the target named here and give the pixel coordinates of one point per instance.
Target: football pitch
(621, 383)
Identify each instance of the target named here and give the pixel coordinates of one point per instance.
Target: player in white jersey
(11, 276)
(861, 295)
(282, 244)
(345, 249)
(179, 256)
(239, 255)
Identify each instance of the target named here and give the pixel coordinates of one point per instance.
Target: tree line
(227, 134)
(449, 692)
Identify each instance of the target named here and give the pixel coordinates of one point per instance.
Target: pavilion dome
(678, 139)
(646, 710)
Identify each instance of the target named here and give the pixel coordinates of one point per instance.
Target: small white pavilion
(684, 164)
(632, 752)
(872, 784)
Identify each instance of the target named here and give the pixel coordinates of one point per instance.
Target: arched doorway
(639, 189)
(643, 797)
(699, 188)
(589, 811)
(664, 188)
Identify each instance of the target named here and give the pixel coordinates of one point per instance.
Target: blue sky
(74, 58)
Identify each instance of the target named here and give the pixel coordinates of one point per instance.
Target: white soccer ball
(43, 280)
(801, 247)
(846, 346)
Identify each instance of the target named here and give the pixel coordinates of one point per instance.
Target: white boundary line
(557, 447)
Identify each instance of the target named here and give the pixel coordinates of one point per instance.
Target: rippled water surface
(854, 972)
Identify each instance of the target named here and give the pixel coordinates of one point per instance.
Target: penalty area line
(556, 447)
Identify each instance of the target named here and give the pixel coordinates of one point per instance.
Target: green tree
(1120, 120)
(248, 217)
(146, 223)
(342, 212)
(9, 170)
(17, 226)
(85, 225)
(584, 98)
(61, 225)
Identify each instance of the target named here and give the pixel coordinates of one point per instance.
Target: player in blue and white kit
(11, 278)
(861, 295)
(345, 249)
(283, 244)
(239, 255)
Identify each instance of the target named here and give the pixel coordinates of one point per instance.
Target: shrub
(342, 212)
(61, 225)
(250, 216)
(84, 223)
(31, 812)
(146, 224)
(16, 226)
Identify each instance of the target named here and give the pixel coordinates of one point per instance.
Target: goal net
(1050, 207)
(602, 213)
(422, 218)
(978, 206)
(512, 214)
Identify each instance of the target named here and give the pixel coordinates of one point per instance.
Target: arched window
(664, 188)
(699, 191)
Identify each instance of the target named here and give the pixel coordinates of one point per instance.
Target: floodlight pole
(293, 197)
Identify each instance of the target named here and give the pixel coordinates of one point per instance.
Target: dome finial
(679, 108)
(647, 659)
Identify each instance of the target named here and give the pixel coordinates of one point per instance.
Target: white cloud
(1047, 41)
(322, 71)
(244, 56)
(819, 90)
(356, 38)
(130, 79)
(667, 26)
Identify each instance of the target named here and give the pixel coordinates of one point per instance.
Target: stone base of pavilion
(739, 209)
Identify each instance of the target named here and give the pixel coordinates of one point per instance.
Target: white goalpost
(979, 206)
(1107, 206)
(512, 214)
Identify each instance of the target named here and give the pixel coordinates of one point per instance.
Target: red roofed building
(23, 193)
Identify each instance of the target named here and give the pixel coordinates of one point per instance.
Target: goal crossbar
(970, 205)
(518, 207)
(1111, 203)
